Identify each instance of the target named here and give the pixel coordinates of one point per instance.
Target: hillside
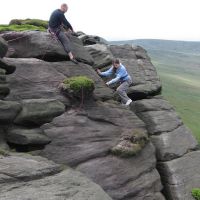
(178, 64)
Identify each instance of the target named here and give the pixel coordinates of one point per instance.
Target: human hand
(98, 71)
(70, 30)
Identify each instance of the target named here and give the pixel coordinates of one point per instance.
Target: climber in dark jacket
(56, 22)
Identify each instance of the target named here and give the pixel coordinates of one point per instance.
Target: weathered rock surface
(88, 136)
(35, 79)
(29, 177)
(170, 137)
(2, 76)
(174, 144)
(4, 90)
(9, 111)
(3, 142)
(3, 47)
(39, 111)
(145, 78)
(25, 136)
(91, 39)
(36, 44)
(8, 68)
(180, 176)
(4, 70)
(101, 55)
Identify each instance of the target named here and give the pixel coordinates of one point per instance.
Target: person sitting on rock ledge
(57, 22)
(122, 76)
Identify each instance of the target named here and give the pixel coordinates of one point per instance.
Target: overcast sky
(117, 19)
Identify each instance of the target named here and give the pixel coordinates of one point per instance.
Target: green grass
(181, 86)
(196, 193)
(23, 27)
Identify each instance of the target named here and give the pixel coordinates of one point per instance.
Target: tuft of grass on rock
(196, 193)
(78, 86)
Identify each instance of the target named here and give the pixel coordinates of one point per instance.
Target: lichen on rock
(131, 144)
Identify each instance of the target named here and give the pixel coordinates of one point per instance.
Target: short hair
(64, 5)
(116, 61)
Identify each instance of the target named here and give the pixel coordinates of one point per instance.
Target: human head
(64, 7)
(116, 63)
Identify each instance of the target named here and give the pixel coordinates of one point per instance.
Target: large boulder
(89, 135)
(170, 137)
(101, 55)
(174, 144)
(30, 177)
(178, 166)
(9, 111)
(39, 111)
(146, 81)
(160, 121)
(180, 176)
(25, 136)
(3, 47)
(36, 44)
(35, 79)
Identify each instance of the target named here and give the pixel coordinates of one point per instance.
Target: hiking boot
(129, 102)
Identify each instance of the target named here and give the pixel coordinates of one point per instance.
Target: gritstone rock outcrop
(41, 120)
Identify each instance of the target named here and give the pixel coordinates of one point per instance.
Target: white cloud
(114, 19)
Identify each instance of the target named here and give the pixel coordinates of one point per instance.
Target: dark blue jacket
(57, 19)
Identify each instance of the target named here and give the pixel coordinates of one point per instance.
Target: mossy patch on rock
(4, 152)
(23, 27)
(196, 193)
(131, 144)
(34, 22)
(78, 86)
(25, 24)
(2, 71)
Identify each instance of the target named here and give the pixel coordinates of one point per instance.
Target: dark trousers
(62, 37)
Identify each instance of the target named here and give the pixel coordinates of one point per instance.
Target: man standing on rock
(57, 22)
(122, 76)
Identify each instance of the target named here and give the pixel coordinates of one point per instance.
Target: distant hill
(178, 64)
(169, 45)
